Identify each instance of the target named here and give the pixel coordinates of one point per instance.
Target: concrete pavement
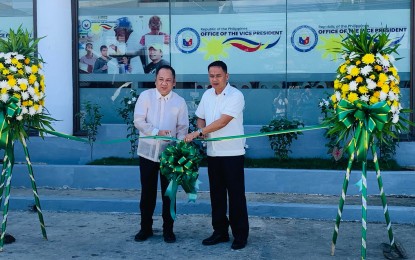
(93, 235)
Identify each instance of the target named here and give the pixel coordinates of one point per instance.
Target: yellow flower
(394, 71)
(383, 77)
(12, 81)
(14, 61)
(368, 58)
(389, 102)
(36, 107)
(342, 68)
(26, 61)
(358, 62)
(333, 98)
(396, 90)
(25, 103)
(337, 84)
(1, 66)
(378, 67)
(372, 76)
(395, 103)
(21, 72)
(17, 95)
(354, 71)
(345, 87)
(348, 62)
(380, 83)
(36, 91)
(363, 90)
(19, 65)
(23, 86)
(352, 97)
(6, 72)
(34, 69)
(385, 88)
(343, 95)
(30, 103)
(42, 102)
(359, 79)
(373, 100)
(32, 79)
(376, 94)
(349, 77)
(3, 91)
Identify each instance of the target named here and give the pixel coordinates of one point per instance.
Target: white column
(54, 21)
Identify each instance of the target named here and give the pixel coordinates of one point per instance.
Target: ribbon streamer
(180, 165)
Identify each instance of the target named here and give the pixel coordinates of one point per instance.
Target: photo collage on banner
(134, 44)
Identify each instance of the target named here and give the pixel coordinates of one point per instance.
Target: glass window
(15, 13)
(278, 52)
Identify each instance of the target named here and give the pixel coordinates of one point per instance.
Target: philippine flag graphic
(187, 42)
(304, 40)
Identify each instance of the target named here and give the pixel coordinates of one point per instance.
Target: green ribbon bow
(365, 119)
(180, 165)
(10, 110)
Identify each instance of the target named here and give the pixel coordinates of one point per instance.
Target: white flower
(370, 84)
(364, 97)
(16, 88)
(321, 104)
(23, 81)
(353, 86)
(31, 91)
(394, 110)
(338, 95)
(8, 61)
(24, 110)
(395, 118)
(392, 78)
(353, 55)
(4, 84)
(344, 56)
(4, 97)
(19, 118)
(32, 111)
(366, 70)
(40, 109)
(19, 57)
(12, 68)
(129, 102)
(8, 55)
(383, 96)
(393, 96)
(381, 60)
(36, 98)
(134, 99)
(391, 58)
(25, 95)
(40, 72)
(28, 69)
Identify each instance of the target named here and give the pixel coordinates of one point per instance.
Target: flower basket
(22, 103)
(366, 103)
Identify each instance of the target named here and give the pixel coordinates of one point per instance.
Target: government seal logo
(304, 38)
(187, 40)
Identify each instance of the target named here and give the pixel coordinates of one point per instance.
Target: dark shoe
(215, 238)
(238, 244)
(169, 237)
(8, 239)
(143, 235)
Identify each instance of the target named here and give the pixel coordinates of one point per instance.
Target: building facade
(279, 52)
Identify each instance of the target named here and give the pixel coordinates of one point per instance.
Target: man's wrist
(200, 132)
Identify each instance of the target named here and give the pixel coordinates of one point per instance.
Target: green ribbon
(10, 110)
(180, 165)
(365, 119)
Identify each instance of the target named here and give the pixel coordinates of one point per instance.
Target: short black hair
(103, 47)
(219, 63)
(168, 67)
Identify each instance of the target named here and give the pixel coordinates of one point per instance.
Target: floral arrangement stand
(22, 100)
(366, 105)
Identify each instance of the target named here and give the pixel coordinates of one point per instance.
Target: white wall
(54, 22)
